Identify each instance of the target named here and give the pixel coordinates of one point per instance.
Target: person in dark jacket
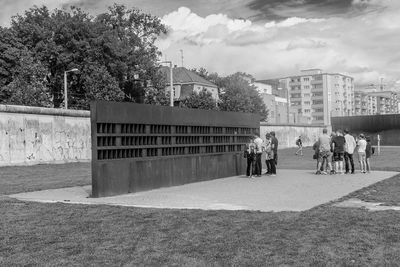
(275, 142)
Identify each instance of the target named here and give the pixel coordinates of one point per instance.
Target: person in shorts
(362, 146)
(338, 143)
(324, 152)
(299, 144)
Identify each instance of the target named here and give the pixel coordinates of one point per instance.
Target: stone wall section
(32, 135)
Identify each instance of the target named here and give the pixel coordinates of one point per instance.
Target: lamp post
(65, 86)
(171, 96)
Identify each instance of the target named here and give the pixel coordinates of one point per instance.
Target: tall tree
(240, 96)
(29, 85)
(118, 43)
(200, 100)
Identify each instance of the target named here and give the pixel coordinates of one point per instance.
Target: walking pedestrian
(348, 151)
(259, 149)
(299, 144)
(362, 146)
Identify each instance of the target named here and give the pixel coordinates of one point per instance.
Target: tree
(118, 43)
(29, 85)
(97, 84)
(201, 100)
(11, 50)
(238, 95)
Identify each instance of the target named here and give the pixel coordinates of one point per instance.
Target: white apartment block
(315, 96)
(375, 102)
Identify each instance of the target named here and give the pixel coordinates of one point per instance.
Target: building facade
(315, 96)
(187, 82)
(372, 102)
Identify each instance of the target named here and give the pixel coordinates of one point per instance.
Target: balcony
(316, 82)
(294, 83)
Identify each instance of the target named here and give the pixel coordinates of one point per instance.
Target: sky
(268, 38)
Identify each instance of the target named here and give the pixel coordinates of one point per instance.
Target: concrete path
(290, 190)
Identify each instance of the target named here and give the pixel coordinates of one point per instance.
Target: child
(362, 146)
(250, 154)
(299, 143)
(368, 152)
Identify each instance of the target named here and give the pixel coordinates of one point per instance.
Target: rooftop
(184, 76)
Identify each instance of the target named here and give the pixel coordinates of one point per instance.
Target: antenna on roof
(181, 57)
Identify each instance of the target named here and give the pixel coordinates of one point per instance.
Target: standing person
(299, 144)
(369, 150)
(348, 151)
(316, 152)
(269, 156)
(324, 151)
(338, 143)
(333, 170)
(362, 146)
(250, 154)
(259, 149)
(275, 148)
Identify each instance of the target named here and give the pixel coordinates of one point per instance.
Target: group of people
(334, 154)
(254, 151)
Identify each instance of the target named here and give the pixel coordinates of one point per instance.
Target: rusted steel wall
(138, 147)
(387, 126)
(35, 135)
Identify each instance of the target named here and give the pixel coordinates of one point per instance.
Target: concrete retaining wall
(33, 135)
(288, 134)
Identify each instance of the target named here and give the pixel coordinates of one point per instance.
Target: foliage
(29, 86)
(240, 96)
(119, 43)
(201, 100)
(97, 84)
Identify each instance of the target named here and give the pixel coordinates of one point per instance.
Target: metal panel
(387, 126)
(140, 147)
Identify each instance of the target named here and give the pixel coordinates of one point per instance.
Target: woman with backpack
(299, 143)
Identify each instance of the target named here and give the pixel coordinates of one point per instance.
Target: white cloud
(364, 46)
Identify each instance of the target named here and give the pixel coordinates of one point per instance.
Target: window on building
(316, 102)
(307, 103)
(306, 79)
(307, 111)
(306, 95)
(306, 87)
(318, 94)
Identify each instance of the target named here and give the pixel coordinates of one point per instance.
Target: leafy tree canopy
(118, 44)
(200, 100)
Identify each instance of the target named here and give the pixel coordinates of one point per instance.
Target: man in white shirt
(259, 149)
(349, 147)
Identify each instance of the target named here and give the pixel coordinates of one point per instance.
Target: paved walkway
(290, 190)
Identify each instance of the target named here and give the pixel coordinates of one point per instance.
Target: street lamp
(171, 96)
(65, 86)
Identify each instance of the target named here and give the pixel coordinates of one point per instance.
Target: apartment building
(315, 96)
(380, 102)
(275, 99)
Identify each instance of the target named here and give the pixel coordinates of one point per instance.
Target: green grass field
(37, 234)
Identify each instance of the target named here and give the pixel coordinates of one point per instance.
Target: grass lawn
(78, 235)
(18, 179)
